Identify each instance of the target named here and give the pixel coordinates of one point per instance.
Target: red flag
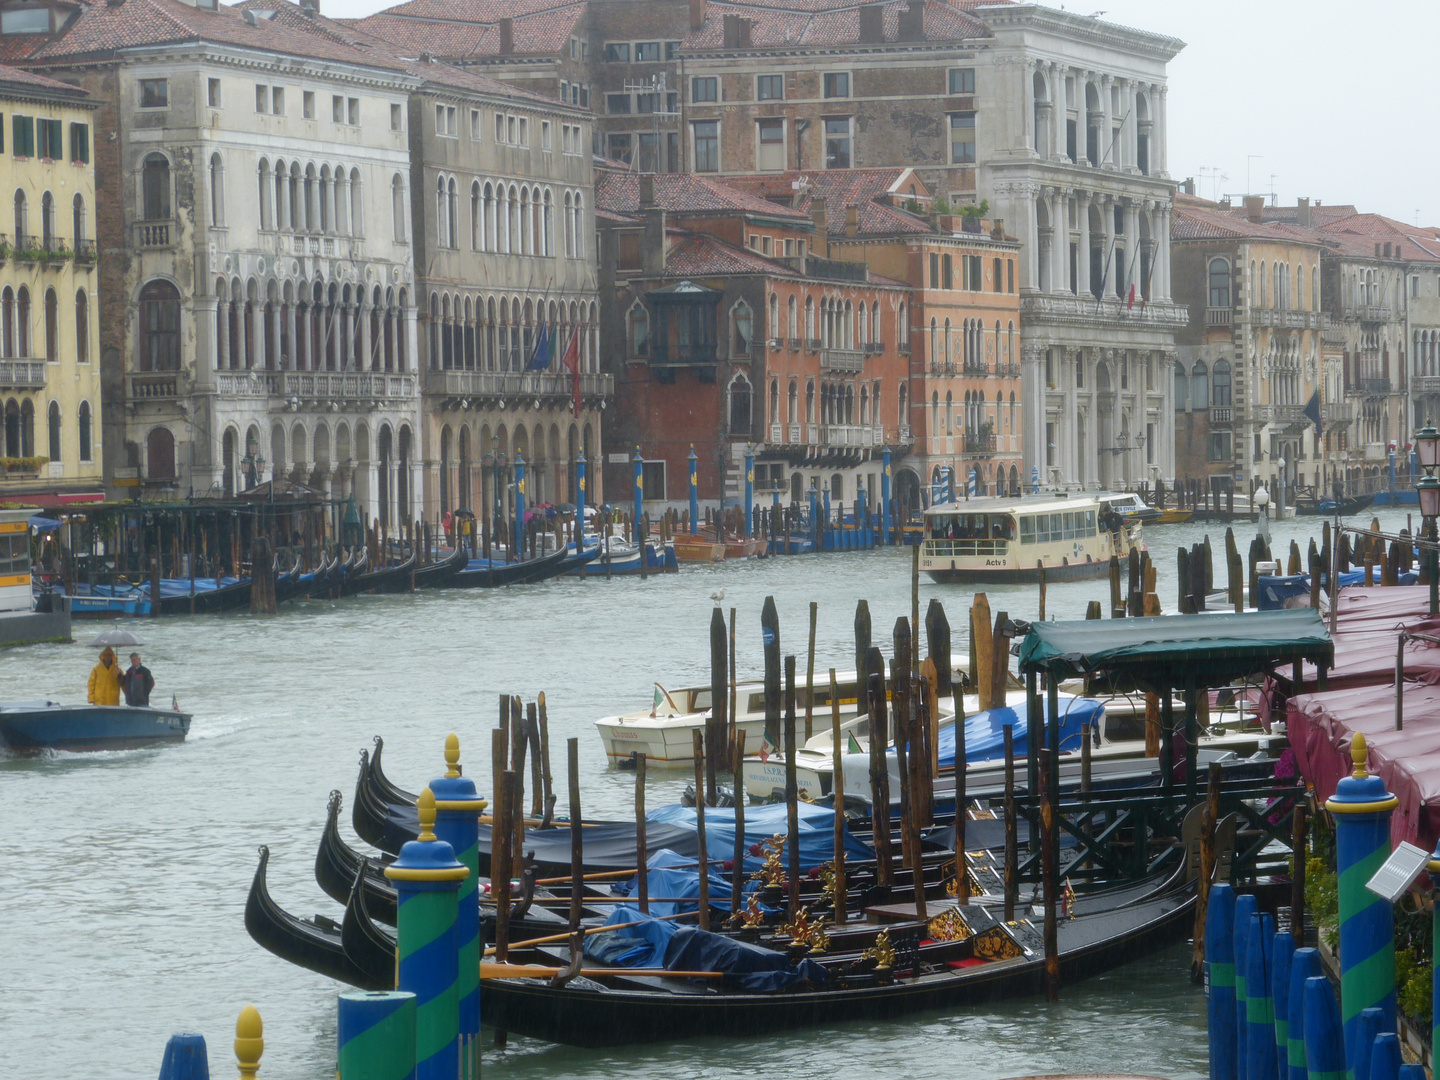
(571, 360)
(1130, 299)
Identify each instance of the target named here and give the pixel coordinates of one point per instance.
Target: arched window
(217, 193)
(82, 327)
(160, 454)
(357, 205)
(1182, 388)
(792, 402)
(579, 226)
(774, 401)
(810, 334)
(1219, 283)
(54, 419)
(740, 411)
(155, 187)
(773, 329)
(22, 321)
(1221, 396)
(78, 223)
(52, 325)
(453, 214)
(85, 453)
(397, 206)
(477, 219)
(22, 220)
(159, 327)
(742, 330)
(442, 216)
(47, 221)
(1200, 386)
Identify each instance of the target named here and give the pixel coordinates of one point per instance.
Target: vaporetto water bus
(1007, 540)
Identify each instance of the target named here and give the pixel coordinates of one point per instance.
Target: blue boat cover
(39, 523)
(671, 874)
(817, 829)
(1293, 590)
(655, 944)
(985, 731)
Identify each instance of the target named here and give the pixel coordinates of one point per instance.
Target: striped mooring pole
(1245, 906)
(1304, 966)
(1260, 1039)
(1369, 1030)
(1362, 808)
(458, 807)
(375, 1035)
(1220, 964)
(1324, 1047)
(1282, 955)
(427, 885)
(1433, 866)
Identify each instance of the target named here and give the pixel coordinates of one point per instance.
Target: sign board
(126, 481)
(618, 459)
(1398, 872)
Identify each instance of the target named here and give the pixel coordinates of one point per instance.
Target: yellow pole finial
(1358, 754)
(249, 1042)
(452, 756)
(426, 806)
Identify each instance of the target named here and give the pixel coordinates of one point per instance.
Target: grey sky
(1330, 97)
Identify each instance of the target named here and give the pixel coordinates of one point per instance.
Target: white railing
(22, 373)
(844, 361)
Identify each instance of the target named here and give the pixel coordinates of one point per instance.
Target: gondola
(490, 574)
(617, 1009)
(390, 579)
(287, 584)
(201, 601)
(313, 583)
(337, 864)
(1329, 507)
(436, 575)
(368, 946)
(315, 944)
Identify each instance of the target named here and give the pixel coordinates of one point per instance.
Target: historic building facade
(503, 230)
(1252, 355)
(49, 304)
(261, 322)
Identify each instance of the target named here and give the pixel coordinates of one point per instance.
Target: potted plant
(970, 216)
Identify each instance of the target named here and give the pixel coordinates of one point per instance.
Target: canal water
(125, 874)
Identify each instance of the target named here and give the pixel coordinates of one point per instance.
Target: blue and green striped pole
(886, 538)
(1370, 1020)
(694, 491)
(639, 496)
(458, 807)
(1324, 1041)
(1362, 807)
(1282, 953)
(1245, 906)
(1220, 965)
(1385, 1057)
(427, 885)
(1433, 866)
(1259, 1007)
(375, 1035)
(1304, 965)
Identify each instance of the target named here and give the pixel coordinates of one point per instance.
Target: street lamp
(1261, 500)
(495, 460)
(1427, 492)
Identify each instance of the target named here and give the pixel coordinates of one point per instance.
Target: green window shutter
(57, 140)
(80, 142)
(19, 140)
(24, 136)
(2, 133)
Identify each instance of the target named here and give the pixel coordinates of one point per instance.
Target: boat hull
(1017, 575)
(45, 726)
(693, 549)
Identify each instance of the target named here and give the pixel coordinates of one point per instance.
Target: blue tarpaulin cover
(1293, 590)
(672, 874)
(40, 523)
(687, 948)
(985, 731)
(817, 830)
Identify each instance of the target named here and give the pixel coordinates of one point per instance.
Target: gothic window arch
(155, 187)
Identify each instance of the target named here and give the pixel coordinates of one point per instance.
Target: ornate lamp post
(1427, 491)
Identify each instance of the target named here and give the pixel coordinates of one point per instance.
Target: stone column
(1058, 109)
(1127, 98)
(277, 358)
(1032, 242)
(1082, 211)
(1107, 248)
(1107, 124)
(1082, 116)
(1027, 94)
(1160, 152)
(1132, 247)
(221, 323)
(1059, 242)
(289, 316)
(1162, 268)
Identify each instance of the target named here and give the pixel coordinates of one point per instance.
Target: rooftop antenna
(1248, 159)
(655, 86)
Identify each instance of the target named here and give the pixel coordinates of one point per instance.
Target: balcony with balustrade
(22, 374)
(981, 446)
(350, 388)
(1218, 316)
(547, 387)
(154, 234)
(842, 361)
(154, 385)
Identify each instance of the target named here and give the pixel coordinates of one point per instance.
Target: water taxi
(1006, 540)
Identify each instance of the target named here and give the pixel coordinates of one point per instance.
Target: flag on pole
(1130, 298)
(1312, 413)
(540, 355)
(571, 360)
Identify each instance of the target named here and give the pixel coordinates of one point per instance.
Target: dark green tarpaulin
(1166, 650)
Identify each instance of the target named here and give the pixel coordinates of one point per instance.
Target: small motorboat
(698, 548)
(30, 726)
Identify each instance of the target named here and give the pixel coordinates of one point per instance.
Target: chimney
(744, 28)
(852, 220)
(652, 244)
(1377, 249)
(872, 24)
(647, 190)
(697, 14)
(249, 17)
(997, 229)
(1387, 249)
(912, 21)
(1255, 209)
(732, 31)
(507, 36)
(821, 244)
(1188, 185)
(1302, 213)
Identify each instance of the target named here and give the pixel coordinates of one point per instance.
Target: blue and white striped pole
(885, 496)
(1034, 479)
(815, 513)
(638, 497)
(1304, 965)
(1362, 808)
(580, 503)
(1220, 962)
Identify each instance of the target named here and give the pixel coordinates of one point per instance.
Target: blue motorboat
(29, 726)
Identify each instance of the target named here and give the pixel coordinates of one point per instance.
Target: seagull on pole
(718, 596)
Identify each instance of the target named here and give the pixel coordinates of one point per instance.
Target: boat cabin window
(699, 700)
(1124, 728)
(15, 555)
(972, 527)
(1048, 528)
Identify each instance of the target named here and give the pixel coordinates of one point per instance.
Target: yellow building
(49, 319)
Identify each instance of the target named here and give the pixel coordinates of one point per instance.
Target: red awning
(53, 499)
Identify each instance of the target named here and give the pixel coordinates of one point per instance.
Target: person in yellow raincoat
(105, 680)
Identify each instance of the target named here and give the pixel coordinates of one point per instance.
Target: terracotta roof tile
(31, 82)
(840, 188)
(826, 22)
(1196, 219)
(471, 28)
(683, 193)
(701, 255)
